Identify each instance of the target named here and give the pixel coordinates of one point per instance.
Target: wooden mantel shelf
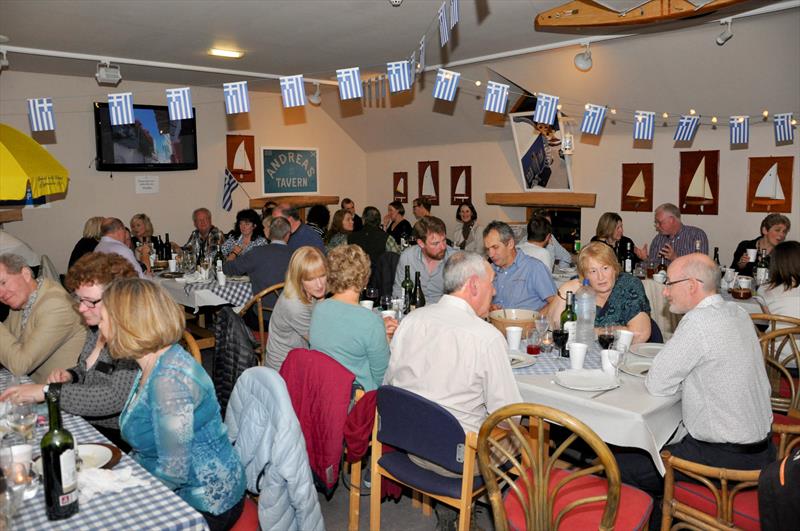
(544, 199)
(299, 201)
(14, 214)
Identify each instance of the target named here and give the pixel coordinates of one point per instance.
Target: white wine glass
(22, 418)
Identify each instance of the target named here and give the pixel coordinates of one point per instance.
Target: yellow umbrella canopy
(24, 160)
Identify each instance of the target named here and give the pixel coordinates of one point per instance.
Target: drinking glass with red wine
(606, 337)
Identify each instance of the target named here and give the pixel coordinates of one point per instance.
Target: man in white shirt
(112, 241)
(539, 234)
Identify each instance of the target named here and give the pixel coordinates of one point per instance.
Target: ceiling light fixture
(726, 34)
(3, 60)
(316, 98)
(230, 54)
(583, 60)
(108, 74)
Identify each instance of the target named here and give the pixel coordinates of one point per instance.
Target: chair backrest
(260, 308)
(191, 345)
(780, 347)
(534, 490)
(774, 320)
(421, 427)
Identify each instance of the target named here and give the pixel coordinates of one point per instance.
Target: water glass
(22, 419)
(541, 325)
(386, 302)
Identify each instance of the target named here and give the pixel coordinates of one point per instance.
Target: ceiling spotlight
(478, 83)
(316, 98)
(229, 54)
(726, 34)
(108, 74)
(583, 60)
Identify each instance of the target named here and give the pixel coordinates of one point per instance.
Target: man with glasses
(714, 361)
(674, 239)
(427, 258)
(43, 331)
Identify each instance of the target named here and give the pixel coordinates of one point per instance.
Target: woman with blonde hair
(611, 232)
(306, 284)
(91, 235)
(142, 238)
(171, 418)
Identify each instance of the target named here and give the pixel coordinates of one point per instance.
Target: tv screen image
(152, 142)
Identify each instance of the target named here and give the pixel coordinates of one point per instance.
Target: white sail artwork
(636, 191)
(699, 187)
(398, 190)
(428, 190)
(461, 186)
(770, 185)
(241, 163)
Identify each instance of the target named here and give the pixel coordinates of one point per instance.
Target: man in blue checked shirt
(674, 239)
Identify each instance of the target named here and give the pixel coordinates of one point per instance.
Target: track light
(726, 34)
(583, 60)
(316, 98)
(108, 74)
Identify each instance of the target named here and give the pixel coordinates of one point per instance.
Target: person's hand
(235, 252)
(24, 393)
(494, 307)
(668, 252)
(59, 376)
(386, 220)
(743, 261)
(390, 323)
(641, 252)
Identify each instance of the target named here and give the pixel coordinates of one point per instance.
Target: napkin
(191, 278)
(93, 481)
(586, 377)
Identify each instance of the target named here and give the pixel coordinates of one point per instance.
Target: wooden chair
(773, 320)
(190, 344)
(260, 308)
(545, 497)
(786, 437)
(780, 347)
(355, 483)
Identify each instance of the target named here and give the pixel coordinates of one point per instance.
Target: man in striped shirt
(674, 239)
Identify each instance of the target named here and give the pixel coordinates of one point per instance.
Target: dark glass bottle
(716, 256)
(569, 312)
(58, 463)
(627, 258)
(408, 290)
(419, 296)
(662, 265)
(201, 255)
(167, 248)
(219, 259)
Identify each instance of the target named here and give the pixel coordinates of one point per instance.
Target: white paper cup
(609, 359)
(367, 304)
(577, 353)
(622, 340)
(173, 266)
(751, 254)
(744, 282)
(513, 336)
(660, 277)
(388, 313)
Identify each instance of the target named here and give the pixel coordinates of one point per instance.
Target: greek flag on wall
(496, 97)
(546, 107)
(120, 108)
(593, 118)
(229, 184)
(454, 14)
(643, 125)
(179, 101)
(422, 55)
(444, 33)
(399, 79)
(783, 127)
(740, 129)
(446, 84)
(349, 83)
(292, 91)
(236, 98)
(687, 127)
(40, 114)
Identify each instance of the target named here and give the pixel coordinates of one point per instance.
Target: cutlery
(602, 393)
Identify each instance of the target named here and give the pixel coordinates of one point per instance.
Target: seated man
(348, 205)
(301, 233)
(556, 250)
(714, 360)
(421, 207)
(674, 239)
(427, 258)
(113, 241)
(520, 281)
(205, 235)
(43, 332)
(539, 233)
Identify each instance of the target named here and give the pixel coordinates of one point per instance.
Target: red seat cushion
(634, 511)
(785, 390)
(248, 521)
(745, 504)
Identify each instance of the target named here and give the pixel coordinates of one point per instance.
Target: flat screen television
(152, 143)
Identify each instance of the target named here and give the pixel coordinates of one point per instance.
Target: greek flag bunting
(454, 15)
(40, 114)
(593, 118)
(399, 79)
(783, 127)
(444, 33)
(292, 91)
(422, 54)
(236, 98)
(740, 129)
(120, 108)
(687, 127)
(179, 102)
(546, 107)
(349, 83)
(643, 125)
(446, 84)
(496, 97)
(229, 184)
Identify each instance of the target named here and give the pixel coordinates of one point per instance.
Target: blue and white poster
(290, 171)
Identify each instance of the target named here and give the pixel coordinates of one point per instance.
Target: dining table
(153, 506)
(195, 295)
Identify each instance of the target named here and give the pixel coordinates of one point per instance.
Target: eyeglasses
(669, 283)
(89, 303)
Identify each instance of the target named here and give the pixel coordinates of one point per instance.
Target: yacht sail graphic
(770, 186)
(241, 162)
(461, 186)
(398, 189)
(428, 190)
(699, 192)
(636, 191)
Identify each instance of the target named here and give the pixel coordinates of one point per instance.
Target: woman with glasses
(97, 387)
(247, 233)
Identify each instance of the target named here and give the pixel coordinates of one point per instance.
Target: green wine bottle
(408, 290)
(58, 463)
(569, 312)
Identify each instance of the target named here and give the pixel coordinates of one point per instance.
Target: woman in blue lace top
(171, 418)
(246, 234)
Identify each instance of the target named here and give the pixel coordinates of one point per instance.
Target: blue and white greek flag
(236, 98)
(40, 114)
(179, 101)
(446, 84)
(292, 91)
(120, 108)
(399, 80)
(349, 83)
(454, 14)
(593, 118)
(496, 97)
(644, 123)
(422, 55)
(412, 66)
(740, 129)
(783, 127)
(444, 32)
(546, 107)
(229, 184)
(687, 127)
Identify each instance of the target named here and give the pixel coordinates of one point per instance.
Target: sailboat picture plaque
(637, 187)
(698, 185)
(429, 180)
(769, 186)
(241, 157)
(460, 184)
(400, 186)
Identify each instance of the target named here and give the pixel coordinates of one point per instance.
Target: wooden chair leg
(427, 506)
(355, 496)
(375, 488)
(416, 499)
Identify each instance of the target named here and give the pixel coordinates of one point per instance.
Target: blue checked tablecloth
(552, 363)
(235, 292)
(150, 507)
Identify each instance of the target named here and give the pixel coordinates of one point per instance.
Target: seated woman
(352, 335)
(621, 301)
(247, 233)
(610, 231)
(306, 283)
(782, 293)
(171, 418)
(142, 238)
(774, 229)
(341, 227)
(395, 223)
(468, 234)
(91, 235)
(97, 387)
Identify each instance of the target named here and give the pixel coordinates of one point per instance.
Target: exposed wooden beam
(296, 200)
(543, 199)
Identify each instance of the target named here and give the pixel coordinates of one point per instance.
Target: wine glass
(541, 325)
(372, 294)
(22, 419)
(386, 302)
(606, 337)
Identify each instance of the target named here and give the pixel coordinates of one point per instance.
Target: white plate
(92, 456)
(586, 380)
(636, 368)
(647, 350)
(520, 360)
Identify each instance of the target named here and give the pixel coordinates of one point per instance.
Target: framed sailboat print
(429, 180)
(769, 187)
(698, 185)
(460, 184)
(637, 187)
(400, 186)
(241, 154)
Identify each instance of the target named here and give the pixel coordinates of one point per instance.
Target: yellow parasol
(24, 160)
